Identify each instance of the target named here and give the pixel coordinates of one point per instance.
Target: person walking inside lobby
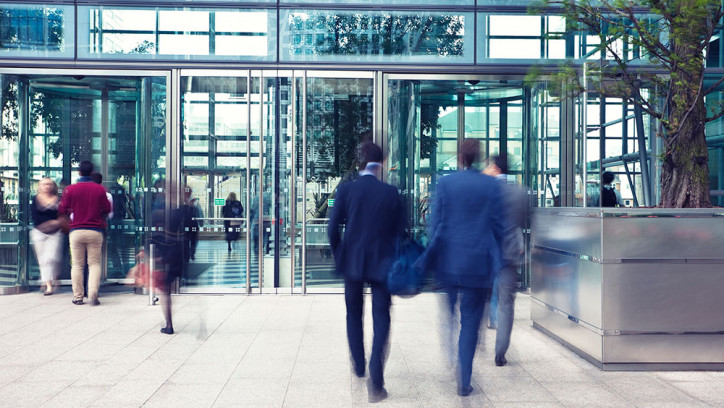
(466, 230)
(86, 201)
(372, 216)
(46, 235)
(232, 209)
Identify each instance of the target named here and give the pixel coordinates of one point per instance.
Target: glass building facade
(268, 99)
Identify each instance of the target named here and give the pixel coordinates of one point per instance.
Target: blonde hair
(55, 185)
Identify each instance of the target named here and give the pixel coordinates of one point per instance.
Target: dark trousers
(507, 286)
(191, 240)
(472, 306)
(381, 323)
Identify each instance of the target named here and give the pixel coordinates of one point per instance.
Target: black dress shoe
(167, 330)
(375, 393)
(465, 390)
(500, 361)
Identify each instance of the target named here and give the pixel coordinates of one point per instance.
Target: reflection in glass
(117, 32)
(424, 129)
(63, 120)
(390, 36)
(214, 145)
(339, 117)
(36, 30)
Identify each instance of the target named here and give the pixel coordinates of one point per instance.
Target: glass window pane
(176, 33)
(183, 20)
(515, 49)
(36, 31)
(392, 2)
(515, 25)
(376, 36)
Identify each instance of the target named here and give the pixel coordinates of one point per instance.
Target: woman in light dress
(46, 233)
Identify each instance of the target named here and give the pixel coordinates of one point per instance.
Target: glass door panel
(271, 232)
(215, 169)
(337, 115)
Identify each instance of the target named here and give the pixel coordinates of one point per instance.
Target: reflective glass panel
(715, 141)
(214, 146)
(36, 31)
(118, 123)
(376, 36)
(388, 2)
(173, 33)
(520, 36)
(339, 115)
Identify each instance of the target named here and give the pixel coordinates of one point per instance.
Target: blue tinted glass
(36, 31)
(390, 2)
(170, 33)
(376, 36)
(523, 37)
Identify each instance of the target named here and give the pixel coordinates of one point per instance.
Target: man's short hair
(607, 177)
(469, 152)
(501, 163)
(86, 168)
(97, 177)
(368, 152)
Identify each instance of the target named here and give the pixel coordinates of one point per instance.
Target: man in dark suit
(466, 229)
(372, 216)
(515, 199)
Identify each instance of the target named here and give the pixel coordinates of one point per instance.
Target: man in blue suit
(466, 230)
(372, 216)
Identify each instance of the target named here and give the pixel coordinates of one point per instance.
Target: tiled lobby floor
(290, 351)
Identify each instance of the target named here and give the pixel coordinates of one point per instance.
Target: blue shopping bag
(403, 279)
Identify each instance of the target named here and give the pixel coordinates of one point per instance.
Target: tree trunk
(685, 168)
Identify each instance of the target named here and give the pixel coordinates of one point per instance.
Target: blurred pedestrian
(372, 216)
(515, 200)
(169, 257)
(232, 209)
(46, 233)
(86, 201)
(466, 229)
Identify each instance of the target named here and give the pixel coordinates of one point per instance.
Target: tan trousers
(82, 242)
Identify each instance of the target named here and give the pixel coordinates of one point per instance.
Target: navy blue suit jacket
(466, 230)
(371, 212)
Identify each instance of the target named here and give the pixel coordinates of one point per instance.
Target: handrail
(218, 219)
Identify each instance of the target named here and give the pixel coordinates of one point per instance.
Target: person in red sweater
(88, 204)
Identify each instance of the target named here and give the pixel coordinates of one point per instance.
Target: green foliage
(429, 117)
(673, 35)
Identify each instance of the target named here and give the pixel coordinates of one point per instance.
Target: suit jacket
(371, 212)
(515, 199)
(466, 230)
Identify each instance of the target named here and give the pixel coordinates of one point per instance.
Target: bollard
(151, 268)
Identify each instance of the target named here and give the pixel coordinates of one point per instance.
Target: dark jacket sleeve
(338, 218)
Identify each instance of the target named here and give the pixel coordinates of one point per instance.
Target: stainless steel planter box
(631, 288)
